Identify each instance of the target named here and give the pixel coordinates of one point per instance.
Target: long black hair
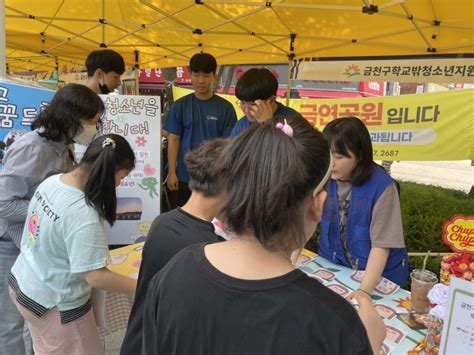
(348, 135)
(105, 156)
(60, 120)
(268, 177)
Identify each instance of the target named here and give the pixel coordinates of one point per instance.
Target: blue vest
(363, 199)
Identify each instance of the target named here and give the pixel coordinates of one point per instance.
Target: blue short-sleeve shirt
(195, 121)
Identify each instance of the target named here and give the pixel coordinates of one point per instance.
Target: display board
(138, 119)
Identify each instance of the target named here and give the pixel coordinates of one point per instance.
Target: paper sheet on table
(98, 306)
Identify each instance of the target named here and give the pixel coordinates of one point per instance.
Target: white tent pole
(3, 48)
(288, 83)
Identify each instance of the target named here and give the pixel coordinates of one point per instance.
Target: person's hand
(172, 182)
(262, 110)
(359, 294)
(373, 323)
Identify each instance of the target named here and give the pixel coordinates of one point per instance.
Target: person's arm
(25, 167)
(13, 203)
(374, 269)
(108, 280)
(386, 232)
(174, 127)
(173, 148)
(373, 323)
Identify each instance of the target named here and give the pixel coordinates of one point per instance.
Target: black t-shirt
(193, 308)
(169, 233)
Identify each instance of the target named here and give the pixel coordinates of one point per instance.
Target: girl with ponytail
(244, 295)
(64, 250)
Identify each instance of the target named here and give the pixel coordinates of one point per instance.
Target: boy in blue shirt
(256, 91)
(193, 119)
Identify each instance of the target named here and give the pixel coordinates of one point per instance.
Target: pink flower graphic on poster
(149, 170)
(141, 141)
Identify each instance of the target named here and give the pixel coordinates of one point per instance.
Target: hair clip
(325, 179)
(286, 128)
(108, 141)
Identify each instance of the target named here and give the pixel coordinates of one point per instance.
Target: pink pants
(79, 337)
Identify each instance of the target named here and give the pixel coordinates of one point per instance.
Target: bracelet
(368, 294)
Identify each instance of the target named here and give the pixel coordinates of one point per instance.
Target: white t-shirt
(62, 239)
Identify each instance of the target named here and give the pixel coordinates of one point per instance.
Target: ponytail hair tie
(108, 141)
(286, 128)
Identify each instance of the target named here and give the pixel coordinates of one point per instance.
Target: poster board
(138, 119)
(19, 105)
(458, 328)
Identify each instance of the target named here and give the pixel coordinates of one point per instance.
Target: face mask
(104, 89)
(86, 135)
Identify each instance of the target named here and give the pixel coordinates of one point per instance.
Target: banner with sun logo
(422, 70)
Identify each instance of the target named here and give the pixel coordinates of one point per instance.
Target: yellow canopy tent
(161, 33)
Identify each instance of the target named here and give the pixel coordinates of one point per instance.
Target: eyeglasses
(246, 104)
(250, 104)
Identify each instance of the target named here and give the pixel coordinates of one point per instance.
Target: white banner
(442, 70)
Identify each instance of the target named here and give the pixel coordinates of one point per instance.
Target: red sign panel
(150, 75)
(183, 76)
(372, 88)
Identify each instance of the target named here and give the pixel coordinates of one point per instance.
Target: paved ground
(458, 175)
(113, 342)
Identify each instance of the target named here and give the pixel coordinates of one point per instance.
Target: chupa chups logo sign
(458, 233)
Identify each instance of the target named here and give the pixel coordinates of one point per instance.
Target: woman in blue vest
(361, 225)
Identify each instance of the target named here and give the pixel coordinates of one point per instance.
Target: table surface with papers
(391, 302)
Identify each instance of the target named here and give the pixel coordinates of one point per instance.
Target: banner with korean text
(436, 126)
(421, 70)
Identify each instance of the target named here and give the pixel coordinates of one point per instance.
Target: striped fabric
(39, 310)
(34, 307)
(76, 313)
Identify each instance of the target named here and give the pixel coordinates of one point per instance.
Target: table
(391, 302)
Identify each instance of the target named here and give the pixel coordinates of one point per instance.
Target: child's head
(73, 114)
(106, 60)
(106, 66)
(270, 181)
(203, 73)
(203, 63)
(107, 160)
(201, 163)
(351, 147)
(255, 84)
